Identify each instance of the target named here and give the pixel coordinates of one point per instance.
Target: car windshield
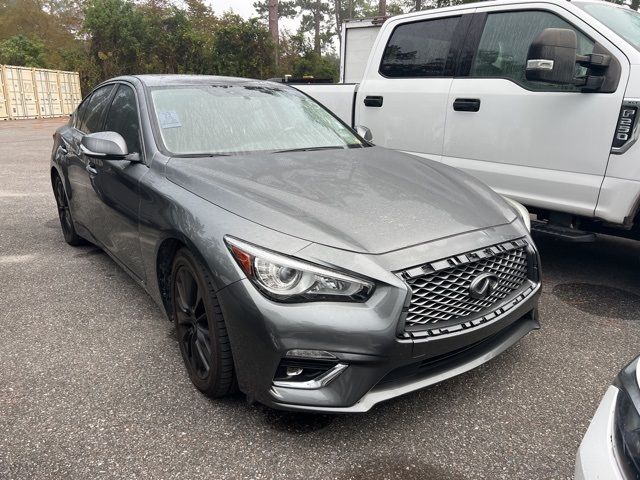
(228, 118)
(623, 21)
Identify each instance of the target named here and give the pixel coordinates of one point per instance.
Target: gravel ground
(92, 384)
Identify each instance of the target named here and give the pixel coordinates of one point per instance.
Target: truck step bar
(560, 232)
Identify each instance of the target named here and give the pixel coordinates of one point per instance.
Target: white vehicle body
(550, 147)
(610, 447)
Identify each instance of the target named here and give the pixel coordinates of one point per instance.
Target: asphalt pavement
(92, 384)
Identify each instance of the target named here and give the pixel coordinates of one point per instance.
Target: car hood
(369, 200)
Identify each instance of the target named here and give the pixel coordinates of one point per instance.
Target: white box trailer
(358, 37)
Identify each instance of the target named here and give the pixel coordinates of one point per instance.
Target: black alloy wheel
(64, 213)
(200, 328)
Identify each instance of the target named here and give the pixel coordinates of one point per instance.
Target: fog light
(307, 373)
(294, 371)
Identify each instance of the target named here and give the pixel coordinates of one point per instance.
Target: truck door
(403, 95)
(542, 144)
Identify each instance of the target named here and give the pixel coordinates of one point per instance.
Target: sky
(245, 9)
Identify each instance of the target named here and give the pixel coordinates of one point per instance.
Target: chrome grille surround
(441, 300)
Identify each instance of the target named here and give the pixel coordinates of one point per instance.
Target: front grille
(441, 290)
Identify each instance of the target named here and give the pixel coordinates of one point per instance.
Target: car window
(123, 117)
(79, 113)
(505, 42)
(96, 106)
(420, 49)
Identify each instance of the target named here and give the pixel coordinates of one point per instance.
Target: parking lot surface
(92, 383)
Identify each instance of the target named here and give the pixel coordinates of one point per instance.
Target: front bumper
(382, 364)
(597, 457)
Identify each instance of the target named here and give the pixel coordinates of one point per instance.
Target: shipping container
(70, 95)
(21, 92)
(48, 92)
(37, 92)
(4, 112)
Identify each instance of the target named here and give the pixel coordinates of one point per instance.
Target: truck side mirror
(552, 56)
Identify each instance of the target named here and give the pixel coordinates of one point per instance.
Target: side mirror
(364, 132)
(552, 56)
(108, 145)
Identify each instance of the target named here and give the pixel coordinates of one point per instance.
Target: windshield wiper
(197, 155)
(311, 149)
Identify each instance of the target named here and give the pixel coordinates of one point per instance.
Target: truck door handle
(466, 104)
(373, 101)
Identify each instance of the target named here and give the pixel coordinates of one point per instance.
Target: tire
(64, 213)
(200, 328)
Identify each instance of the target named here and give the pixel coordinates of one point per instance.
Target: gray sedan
(301, 264)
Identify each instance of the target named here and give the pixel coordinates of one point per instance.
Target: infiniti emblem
(483, 285)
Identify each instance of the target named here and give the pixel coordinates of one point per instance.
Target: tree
(22, 51)
(316, 18)
(343, 10)
(243, 48)
(35, 19)
(272, 11)
(117, 32)
(299, 58)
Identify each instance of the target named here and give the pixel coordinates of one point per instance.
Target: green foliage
(242, 48)
(298, 58)
(118, 37)
(106, 38)
(22, 51)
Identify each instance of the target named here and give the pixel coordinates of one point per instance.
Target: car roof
(162, 80)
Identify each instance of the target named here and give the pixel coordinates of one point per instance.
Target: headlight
(285, 279)
(522, 212)
(627, 417)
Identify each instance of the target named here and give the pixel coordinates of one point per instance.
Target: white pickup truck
(537, 99)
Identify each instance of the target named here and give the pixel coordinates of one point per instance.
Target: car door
(403, 96)
(545, 145)
(115, 184)
(89, 117)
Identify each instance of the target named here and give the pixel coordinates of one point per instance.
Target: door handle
(373, 101)
(466, 104)
(92, 171)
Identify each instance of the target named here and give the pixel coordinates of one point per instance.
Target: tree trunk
(418, 5)
(382, 8)
(273, 25)
(317, 18)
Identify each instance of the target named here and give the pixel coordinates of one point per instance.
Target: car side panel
(167, 211)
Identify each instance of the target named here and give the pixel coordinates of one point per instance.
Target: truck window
(420, 49)
(504, 44)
